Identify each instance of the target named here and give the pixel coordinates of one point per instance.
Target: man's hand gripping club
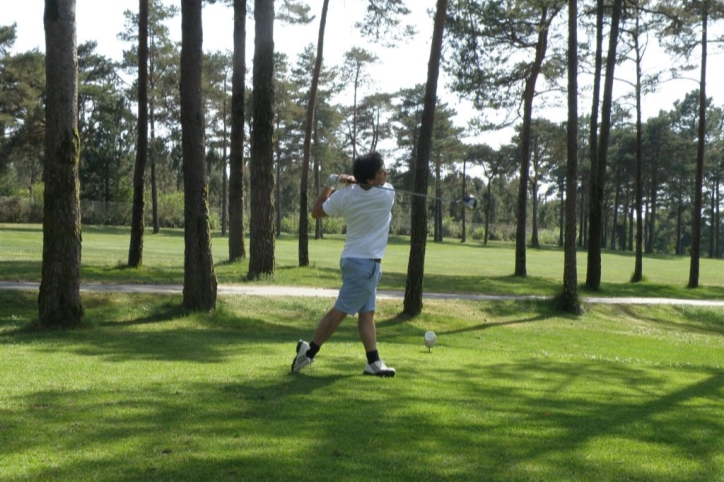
(339, 180)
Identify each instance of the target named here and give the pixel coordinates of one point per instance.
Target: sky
(401, 67)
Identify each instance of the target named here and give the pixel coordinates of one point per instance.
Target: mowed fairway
(511, 392)
(450, 267)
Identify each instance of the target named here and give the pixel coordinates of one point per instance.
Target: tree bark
(135, 251)
(614, 224)
(529, 94)
(307, 153)
(638, 275)
(236, 155)
(199, 278)
(412, 304)
(152, 150)
(224, 173)
(598, 172)
(569, 297)
(59, 303)
(464, 234)
(700, 146)
(261, 260)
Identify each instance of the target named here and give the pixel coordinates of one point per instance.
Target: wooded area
(644, 185)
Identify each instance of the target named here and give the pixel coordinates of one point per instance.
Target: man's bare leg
(328, 325)
(367, 330)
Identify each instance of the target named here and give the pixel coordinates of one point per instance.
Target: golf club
(468, 201)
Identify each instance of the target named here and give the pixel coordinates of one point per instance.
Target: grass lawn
(511, 392)
(449, 266)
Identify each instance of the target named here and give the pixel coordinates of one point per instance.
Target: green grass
(512, 392)
(449, 266)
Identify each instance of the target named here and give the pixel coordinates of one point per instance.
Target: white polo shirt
(368, 214)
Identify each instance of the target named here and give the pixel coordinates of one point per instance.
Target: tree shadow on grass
(532, 419)
(21, 270)
(123, 328)
(693, 319)
(165, 314)
(487, 325)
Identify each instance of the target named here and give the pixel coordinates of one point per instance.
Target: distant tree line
(650, 186)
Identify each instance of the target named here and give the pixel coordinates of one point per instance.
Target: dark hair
(366, 166)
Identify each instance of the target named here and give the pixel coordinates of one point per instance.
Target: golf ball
(430, 339)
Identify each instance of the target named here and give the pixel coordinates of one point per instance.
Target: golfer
(367, 212)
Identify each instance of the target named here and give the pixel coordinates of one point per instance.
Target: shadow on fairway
(531, 419)
(693, 319)
(291, 385)
(485, 326)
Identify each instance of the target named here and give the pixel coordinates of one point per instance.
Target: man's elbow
(318, 213)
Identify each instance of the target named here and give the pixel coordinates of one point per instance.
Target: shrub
(290, 224)
(13, 209)
(451, 228)
(548, 237)
(170, 210)
(332, 226)
(111, 214)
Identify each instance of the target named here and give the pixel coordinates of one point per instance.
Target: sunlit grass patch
(512, 391)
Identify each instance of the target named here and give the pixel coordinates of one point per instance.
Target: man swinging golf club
(367, 213)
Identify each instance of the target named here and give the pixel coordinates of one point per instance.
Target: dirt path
(332, 293)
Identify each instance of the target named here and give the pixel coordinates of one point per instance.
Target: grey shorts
(360, 277)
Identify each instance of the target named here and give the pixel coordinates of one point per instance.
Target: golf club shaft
(411, 193)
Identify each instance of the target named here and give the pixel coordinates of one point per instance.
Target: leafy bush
(332, 226)
(451, 228)
(13, 209)
(548, 237)
(110, 214)
(170, 210)
(290, 224)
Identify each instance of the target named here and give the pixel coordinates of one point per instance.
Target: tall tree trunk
(569, 297)
(59, 303)
(699, 186)
(597, 72)
(534, 242)
(529, 94)
(317, 181)
(135, 251)
(278, 184)
(412, 304)
(717, 191)
(199, 278)
(488, 211)
(261, 260)
(598, 172)
(652, 218)
(152, 151)
(582, 214)
(624, 216)
(354, 115)
(679, 225)
(438, 203)
(236, 154)
(639, 263)
(615, 217)
(464, 234)
(308, 127)
(561, 213)
(224, 173)
(712, 224)
(631, 230)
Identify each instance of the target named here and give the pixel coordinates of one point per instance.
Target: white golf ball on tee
(430, 339)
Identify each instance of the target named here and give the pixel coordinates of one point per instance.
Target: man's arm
(332, 180)
(318, 210)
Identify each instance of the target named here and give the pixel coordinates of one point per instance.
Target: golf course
(512, 391)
